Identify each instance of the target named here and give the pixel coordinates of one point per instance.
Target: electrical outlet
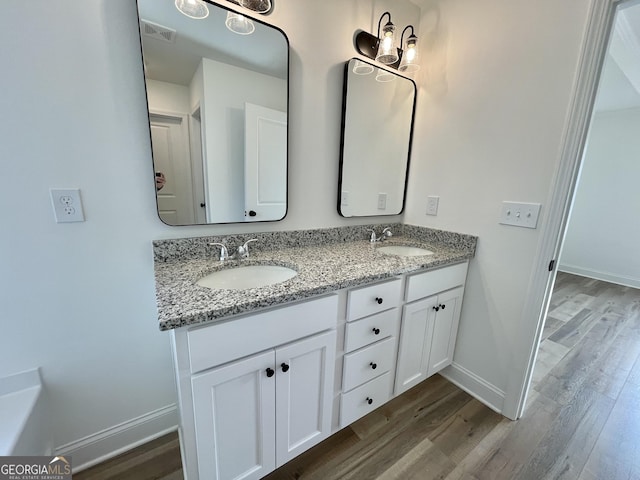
(382, 201)
(432, 205)
(344, 198)
(520, 214)
(67, 205)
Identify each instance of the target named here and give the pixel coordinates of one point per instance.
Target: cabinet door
(415, 342)
(304, 394)
(234, 409)
(445, 330)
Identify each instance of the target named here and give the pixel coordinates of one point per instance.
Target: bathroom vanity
(263, 374)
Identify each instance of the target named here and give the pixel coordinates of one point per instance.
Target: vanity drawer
(429, 283)
(371, 329)
(373, 299)
(365, 399)
(239, 337)
(367, 363)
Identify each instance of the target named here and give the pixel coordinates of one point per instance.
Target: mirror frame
(342, 136)
(288, 111)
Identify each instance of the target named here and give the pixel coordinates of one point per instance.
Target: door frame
(596, 41)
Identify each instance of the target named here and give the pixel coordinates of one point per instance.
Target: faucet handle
(224, 253)
(243, 250)
(373, 238)
(386, 233)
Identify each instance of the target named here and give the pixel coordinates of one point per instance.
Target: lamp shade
(409, 62)
(193, 8)
(239, 24)
(260, 6)
(387, 51)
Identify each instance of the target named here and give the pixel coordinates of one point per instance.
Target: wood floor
(582, 421)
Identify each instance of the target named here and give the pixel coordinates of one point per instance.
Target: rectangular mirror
(377, 128)
(218, 108)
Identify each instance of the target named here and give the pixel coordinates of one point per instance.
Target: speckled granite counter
(326, 260)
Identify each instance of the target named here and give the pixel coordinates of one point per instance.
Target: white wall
(78, 299)
(603, 233)
(493, 96)
(168, 97)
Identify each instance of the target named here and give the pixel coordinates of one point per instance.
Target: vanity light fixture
(382, 48)
(239, 24)
(193, 8)
(409, 62)
(387, 52)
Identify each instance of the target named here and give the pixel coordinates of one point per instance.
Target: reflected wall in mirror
(377, 127)
(218, 105)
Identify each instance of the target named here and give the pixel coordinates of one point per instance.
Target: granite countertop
(323, 266)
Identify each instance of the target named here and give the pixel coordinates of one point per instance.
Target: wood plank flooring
(582, 420)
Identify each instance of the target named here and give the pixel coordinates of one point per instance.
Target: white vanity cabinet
(429, 324)
(371, 343)
(258, 389)
(243, 413)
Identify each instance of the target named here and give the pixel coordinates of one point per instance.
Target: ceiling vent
(159, 32)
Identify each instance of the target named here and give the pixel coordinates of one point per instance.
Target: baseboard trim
(113, 441)
(604, 276)
(475, 386)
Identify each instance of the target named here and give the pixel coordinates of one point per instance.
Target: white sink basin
(404, 250)
(245, 277)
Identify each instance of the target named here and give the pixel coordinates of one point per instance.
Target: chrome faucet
(386, 233)
(241, 252)
(224, 253)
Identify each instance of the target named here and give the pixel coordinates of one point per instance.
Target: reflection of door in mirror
(170, 143)
(204, 74)
(265, 157)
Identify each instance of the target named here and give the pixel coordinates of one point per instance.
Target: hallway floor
(582, 421)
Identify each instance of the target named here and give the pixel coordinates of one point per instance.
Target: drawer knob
(369, 400)
(379, 300)
(442, 306)
(285, 367)
(373, 365)
(376, 331)
(436, 307)
(270, 372)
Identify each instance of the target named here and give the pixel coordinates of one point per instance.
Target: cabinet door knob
(376, 331)
(442, 306)
(270, 372)
(369, 400)
(373, 365)
(379, 300)
(252, 213)
(436, 308)
(285, 367)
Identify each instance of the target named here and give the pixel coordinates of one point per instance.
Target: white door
(234, 414)
(265, 163)
(445, 330)
(304, 394)
(416, 333)
(170, 146)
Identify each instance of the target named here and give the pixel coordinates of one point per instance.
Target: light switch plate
(520, 214)
(382, 201)
(432, 205)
